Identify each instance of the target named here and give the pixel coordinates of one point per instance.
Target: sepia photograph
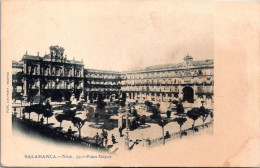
(113, 83)
(124, 109)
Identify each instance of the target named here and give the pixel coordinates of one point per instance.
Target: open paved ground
(152, 132)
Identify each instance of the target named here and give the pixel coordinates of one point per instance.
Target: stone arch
(188, 94)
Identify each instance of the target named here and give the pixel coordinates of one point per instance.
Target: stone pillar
(180, 93)
(120, 120)
(39, 85)
(63, 71)
(161, 97)
(25, 68)
(38, 69)
(195, 90)
(73, 71)
(73, 99)
(127, 130)
(24, 87)
(88, 96)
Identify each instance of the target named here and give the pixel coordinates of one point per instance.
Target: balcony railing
(204, 92)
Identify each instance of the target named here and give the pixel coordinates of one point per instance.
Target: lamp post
(127, 127)
(120, 121)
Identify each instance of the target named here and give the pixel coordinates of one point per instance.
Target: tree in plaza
(204, 113)
(162, 123)
(156, 113)
(180, 121)
(39, 109)
(48, 105)
(90, 111)
(96, 115)
(60, 118)
(28, 109)
(47, 113)
(39, 99)
(106, 124)
(101, 104)
(194, 114)
(79, 106)
(179, 108)
(78, 123)
(148, 104)
(69, 114)
(143, 120)
(135, 113)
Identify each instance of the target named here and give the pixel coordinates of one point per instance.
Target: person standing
(106, 142)
(120, 131)
(96, 139)
(102, 138)
(70, 130)
(105, 134)
(113, 139)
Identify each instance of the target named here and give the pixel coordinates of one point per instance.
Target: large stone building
(52, 75)
(189, 81)
(56, 77)
(100, 81)
(17, 84)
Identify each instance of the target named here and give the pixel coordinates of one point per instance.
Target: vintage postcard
(130, 83)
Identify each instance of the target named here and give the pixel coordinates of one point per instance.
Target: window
(200, 72)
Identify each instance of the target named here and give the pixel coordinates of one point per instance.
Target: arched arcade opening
(188, 94)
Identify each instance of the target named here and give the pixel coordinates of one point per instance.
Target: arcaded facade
(52, 75)
(188, 81)
(60, 79)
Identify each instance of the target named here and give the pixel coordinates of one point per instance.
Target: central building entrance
(188, 94)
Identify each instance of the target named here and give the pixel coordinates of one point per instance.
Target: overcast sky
(112, 36)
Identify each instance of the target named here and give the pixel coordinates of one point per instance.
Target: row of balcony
(169, 80)
(57, 87)
(101, 89)
(149, 90)
(205, 91)
(168, 75)
(161, 89)
(102, 83)
(101, 77)
(57, 74)
(165, 83)
(80, 74)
